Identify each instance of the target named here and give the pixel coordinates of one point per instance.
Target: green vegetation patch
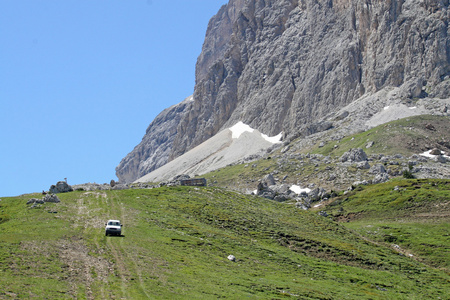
(175, 245)
(410, 216)
(413, 198)
(407, 136)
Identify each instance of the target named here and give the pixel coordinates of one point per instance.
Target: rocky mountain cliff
(284, 65)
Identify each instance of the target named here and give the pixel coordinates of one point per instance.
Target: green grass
(413, 198)
(175, 246)
(413, 214)
(405, 136)
(241, 174)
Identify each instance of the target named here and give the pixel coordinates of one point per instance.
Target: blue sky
(80, 81)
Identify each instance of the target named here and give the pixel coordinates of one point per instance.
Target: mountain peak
(289, 65)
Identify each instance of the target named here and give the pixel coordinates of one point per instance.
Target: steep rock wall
(154, 149)
(281, 65)
(288, 63)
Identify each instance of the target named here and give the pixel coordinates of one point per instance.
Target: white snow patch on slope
(239, 128)
(298, 190)
(273, 139)
(428, 154)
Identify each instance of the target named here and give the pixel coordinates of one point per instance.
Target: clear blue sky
(80, 81)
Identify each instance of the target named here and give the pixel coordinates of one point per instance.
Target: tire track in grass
(126, 255)
(87, 273)
(115, 250)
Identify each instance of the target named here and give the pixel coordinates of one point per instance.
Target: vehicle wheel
(106, 234)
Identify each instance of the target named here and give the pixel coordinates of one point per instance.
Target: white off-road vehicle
(113, 227)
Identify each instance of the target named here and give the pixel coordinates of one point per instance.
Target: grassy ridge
(175, 246)
(407, 136)
(412, 214)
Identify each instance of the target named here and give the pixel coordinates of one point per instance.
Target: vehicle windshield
(114, 223)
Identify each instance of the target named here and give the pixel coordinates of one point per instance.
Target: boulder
(281, 198)
(51, 198)
(377, 169)
(304, 204)
(380, 178)
(47, 198)
(369, 144)
(440, 158)
(281, 189)
(317, 194)
(323, 213)
(269, 180)
(364, 182)
(60, 187)
(363, 165)
(354, 155)
(436, 151)
(262, 187)
(35, 201)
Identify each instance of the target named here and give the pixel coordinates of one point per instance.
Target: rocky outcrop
(156, 145)
(48, 198)
(354, 155)
(60, 187)
(99, 187)
(284, 65)
(291, 62)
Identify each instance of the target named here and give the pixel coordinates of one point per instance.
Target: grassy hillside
(175, 245)
(298, 165)
(411, 216)
(406, 136)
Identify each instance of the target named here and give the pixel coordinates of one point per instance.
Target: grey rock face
(290, 62)
(156, 145)
(283, 65)
(60, 187)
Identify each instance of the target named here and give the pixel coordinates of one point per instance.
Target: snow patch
(274, 139)
(414, 107)
(428, 154)
(298, 190)
(239, 128)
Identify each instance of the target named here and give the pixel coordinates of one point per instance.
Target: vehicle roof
(113, 221)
